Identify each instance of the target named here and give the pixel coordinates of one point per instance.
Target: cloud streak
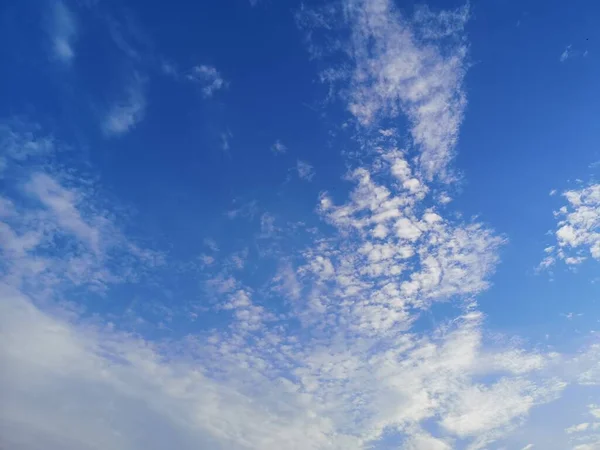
(126, 113)
(63, 32)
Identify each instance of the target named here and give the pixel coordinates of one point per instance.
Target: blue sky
(360, 224)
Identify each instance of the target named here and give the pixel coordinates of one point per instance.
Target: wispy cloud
(209, 79)
(278, 147)
(57, 213)
(63, 32)
(226, 141)
(569, 53)
(324, 344)
(396, 65)
(351, 367)
(246, 210)
(126, 112)
(566, 54)
(305, 170)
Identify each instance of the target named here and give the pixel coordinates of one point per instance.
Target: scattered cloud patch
(56, 234)
(569, 53)
(322, 353)
(246, 210)
(577, 231)
(325, 342)
(305, 170)
(208, 77)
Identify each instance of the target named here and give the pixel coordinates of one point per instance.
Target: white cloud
(578, 228)
(69, 387)
(566, 54)
(425, 442)
(325, 353)
(351, 372)
(398, 65)
(278, 147)
(132, 386)
(577, 428)
(570, 53)
(127, 112)
(305, 170)
(62, 203)
(55, 212)
(21, 142)
(63, 32)
(209, 79)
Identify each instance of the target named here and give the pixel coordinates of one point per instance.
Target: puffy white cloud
(578, 228)
(54, 212)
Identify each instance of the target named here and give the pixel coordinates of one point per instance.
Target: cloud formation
(209, 79)
(278, 147)
(126, 112)
(566, 54)
(577, 231)
(63, 32)
(414, 66)
(354, 368)
(305, 170)
(364, 329)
